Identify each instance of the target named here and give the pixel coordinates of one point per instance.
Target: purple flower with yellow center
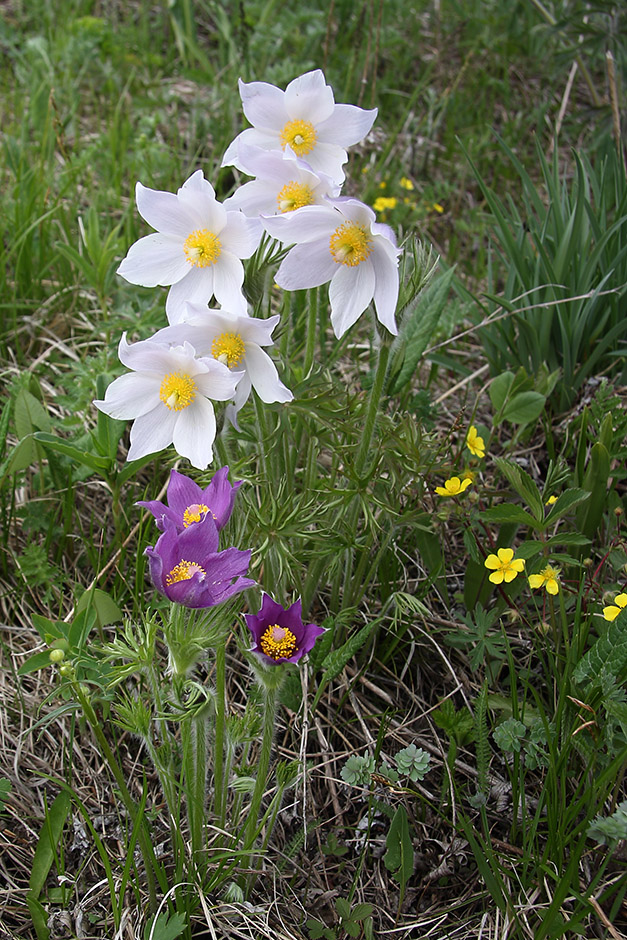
(279, 635)
(188, 568)
(188, 503)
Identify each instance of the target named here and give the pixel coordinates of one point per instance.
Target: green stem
(372, 408)
(150, 861)
(219, 783)
(310, 339)
(269, 709)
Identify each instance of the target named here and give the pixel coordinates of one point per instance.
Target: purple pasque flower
(188, 503)
(188, 568)
(279, 635)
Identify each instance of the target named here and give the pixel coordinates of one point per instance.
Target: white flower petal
(263, 104)
(219, 383)
(350, 292)
(264, 376)
(308, 224)
(164, 212)
(386, 286)
(194, 433)
(152, 432)
(130, 396)
(147, 355)
(240, 236)
(227, 284)
(259, 197)
(155, 259)
(346, 126)
(196, 287)
(328, 159)
(307, 265)
(309, 98)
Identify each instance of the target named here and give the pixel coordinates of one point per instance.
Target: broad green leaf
(105, 608)
(524, 407)
(35, 662)
(588, 518)
(167, 927)
(399, 858)
(509, 513)
(567, 500)
(522, 483)
(608, 656)
(29, 414)
(46, 846)
(79, 456)
(499, 389)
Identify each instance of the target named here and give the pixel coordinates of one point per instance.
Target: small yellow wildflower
(438, 207)
(548, 578)
(551, 500)
(382, 203)
(406, 183)
(504, 566)
(383, 185)
(474, 443)
(612, 612)
(453, 487)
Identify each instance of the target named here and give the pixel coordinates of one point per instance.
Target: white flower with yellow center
(304, 117)
(167, 394)
(236, 343)
(284, 183)
(340, 242)
(197, 248)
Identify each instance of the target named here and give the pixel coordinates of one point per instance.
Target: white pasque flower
(167, 394)
(341, 243)
(236, 342)
(306, 118)
(284, 183)
(197, 248)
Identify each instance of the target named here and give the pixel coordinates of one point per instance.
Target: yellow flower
(453, 487)
(406, 183)
(612, 612)
(382, 203)
(551, 500)
(504, 566)
(548, 578)
(474, 443)
(438, 207)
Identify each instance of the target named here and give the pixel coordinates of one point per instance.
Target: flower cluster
(296, 149)
(185, 564)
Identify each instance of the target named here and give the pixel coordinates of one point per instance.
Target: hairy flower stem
(150, 862)
(310, 339)
(269, 700)
(220, 785)
(372, 410)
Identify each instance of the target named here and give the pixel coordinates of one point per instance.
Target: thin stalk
(373, 408)
(269, 709)
(219, 783)
(310, 339)
(150, 861)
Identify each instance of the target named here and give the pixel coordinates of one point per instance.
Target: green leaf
(39, 917)
(79, 456)
(343, 908)
(167, 927)
(499, 389)
(509, 513)
(588, 518)
(608, 656)
(565, 501)
(418, 330)
(29, 414)
(34, 663)
(5, 789)
(104, 607)
(524, 407)
(46, 846)
(522, 483)
(337, 659)
(361, 911)
(399, 858)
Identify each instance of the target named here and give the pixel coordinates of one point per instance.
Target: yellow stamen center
(202, 248)
(196, 513)
(300, 135)
(178, 390)
(184, 571)
(350, 244)
(228, 348)
(278, 642)
(294, 196)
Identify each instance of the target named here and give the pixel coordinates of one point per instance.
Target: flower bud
(57, 656)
